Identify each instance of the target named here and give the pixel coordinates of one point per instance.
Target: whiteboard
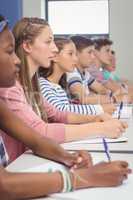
(79, 17)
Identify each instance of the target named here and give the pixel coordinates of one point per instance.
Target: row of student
(101, 70)
(109, 73)
(53, 80)
(70, 73)
(30, 185)
(100, 55)
(35, 47)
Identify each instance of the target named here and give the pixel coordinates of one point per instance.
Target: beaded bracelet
(67, 184)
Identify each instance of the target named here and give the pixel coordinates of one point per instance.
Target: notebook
(84, 144)
(126, 112)
(94, 141)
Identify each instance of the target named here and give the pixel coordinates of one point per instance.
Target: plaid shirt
(3, 153)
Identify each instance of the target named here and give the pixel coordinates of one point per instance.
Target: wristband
(67, 184)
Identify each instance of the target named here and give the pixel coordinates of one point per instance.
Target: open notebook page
(126, 112)
(97, 141)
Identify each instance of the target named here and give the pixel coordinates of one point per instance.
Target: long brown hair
(27, 29)
(46, 72)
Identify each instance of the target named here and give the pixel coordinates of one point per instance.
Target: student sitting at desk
(35, 47)
(53, 82)
(15, 186)
(109, 73)
(109, 69)
(80, 82)
(103, 57)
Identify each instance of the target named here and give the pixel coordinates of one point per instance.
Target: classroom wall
(121, 32)
(33, 8)
(11, 10)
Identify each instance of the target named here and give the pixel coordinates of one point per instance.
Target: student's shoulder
(42, 79)
(15, 92)
(46, 84)
(73, 73)
(74, 76)
(106, 74)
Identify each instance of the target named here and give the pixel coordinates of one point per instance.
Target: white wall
(33, 8)
(121, 29)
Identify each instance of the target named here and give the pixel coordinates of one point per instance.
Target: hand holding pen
(120, 109)
(112, 97)
(110, 94)
(106, 149)
(84, 159)
(125, 87)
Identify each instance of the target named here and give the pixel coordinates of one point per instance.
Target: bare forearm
(16, 128)
(24, 185)
(83, 98)
(74, 118)
(51, 150)
(91, 99)
(40, 145)
(114, 87)
(101, 90)
(80, 93)
(76, 132)
(98, 88)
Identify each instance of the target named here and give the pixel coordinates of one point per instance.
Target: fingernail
(75, 166)
(79, 159)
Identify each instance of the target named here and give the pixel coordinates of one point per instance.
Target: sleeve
(116, 78)
(58, 98)
(83, 109)
(90, 79)
(93, 71)
(15, 100)
(97, 74)
(54, 115)
(73, 77)
(54, 95)
(106, 75)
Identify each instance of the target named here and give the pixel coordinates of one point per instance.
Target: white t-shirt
(77, 77)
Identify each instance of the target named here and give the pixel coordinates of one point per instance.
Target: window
(87, 17)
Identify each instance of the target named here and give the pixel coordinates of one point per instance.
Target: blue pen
(124, 86)
(106, 149)
(111, 94)
(120, 109)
